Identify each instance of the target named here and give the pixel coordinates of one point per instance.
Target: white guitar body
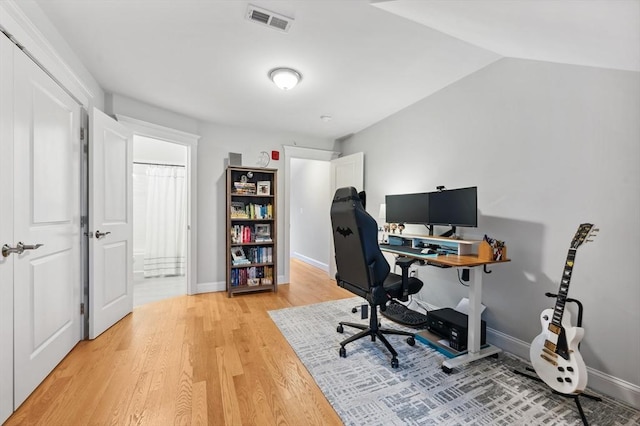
(567, 376)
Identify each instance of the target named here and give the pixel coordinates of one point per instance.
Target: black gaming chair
(363, 270)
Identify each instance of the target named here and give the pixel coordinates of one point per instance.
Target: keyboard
(399, 313)
(402, 249)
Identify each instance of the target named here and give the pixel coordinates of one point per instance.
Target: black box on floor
(451, 324)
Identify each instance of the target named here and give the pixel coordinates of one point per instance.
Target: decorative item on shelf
(393, 226)
(264, 187)
(238, 256)
(492, 249)
(400, 227)
(383, 227)
(238, 210)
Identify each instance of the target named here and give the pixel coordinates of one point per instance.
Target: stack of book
(245, 188)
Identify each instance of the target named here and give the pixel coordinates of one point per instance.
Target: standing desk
(464, 259)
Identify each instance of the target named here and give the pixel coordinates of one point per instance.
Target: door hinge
(81, 133)
(82, 309)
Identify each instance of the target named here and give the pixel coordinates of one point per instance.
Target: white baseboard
(600, 382)
(210, 287)
(310, 261)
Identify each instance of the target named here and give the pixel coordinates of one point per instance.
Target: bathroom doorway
(160, 219)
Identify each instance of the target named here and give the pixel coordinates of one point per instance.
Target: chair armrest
(404, 263)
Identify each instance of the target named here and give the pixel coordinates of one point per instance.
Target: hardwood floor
(201, 360)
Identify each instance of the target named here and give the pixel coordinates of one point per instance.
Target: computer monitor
(454, 207)
(407, 208)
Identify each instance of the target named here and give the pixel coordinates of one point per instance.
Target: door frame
(190, 141)
(305, 154)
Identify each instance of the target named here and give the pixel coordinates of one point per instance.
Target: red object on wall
(275, 155)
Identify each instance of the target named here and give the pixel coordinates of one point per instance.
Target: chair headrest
(349, 193)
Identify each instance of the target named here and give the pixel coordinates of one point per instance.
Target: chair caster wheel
(411, 341)
(340, 329)
(394, 363)
(354, 310)
(343, 352)
(447, 369)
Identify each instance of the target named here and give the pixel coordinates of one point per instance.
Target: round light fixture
(285, 78)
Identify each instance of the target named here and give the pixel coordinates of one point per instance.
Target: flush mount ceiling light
(285, 78)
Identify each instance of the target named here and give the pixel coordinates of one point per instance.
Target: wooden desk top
(453, 260)
(460, 261)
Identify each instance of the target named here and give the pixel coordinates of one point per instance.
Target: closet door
(6, 227)
(46, 198)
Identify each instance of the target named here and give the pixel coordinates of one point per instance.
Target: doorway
(310, 200)
(308, 230)
(160, 223)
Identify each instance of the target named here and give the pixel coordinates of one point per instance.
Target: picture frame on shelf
(238, 256)
(264, 187)
(263, 232)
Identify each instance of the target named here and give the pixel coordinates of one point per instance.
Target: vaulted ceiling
(361, 60)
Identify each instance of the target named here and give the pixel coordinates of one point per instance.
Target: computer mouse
(428, 251)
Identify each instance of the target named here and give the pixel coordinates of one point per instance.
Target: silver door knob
(22, 247)
(19, 248)
(102, 234)
(7, 250)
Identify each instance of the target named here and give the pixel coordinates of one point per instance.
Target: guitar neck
(561, 300)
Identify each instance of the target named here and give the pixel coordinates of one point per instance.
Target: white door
(6, 227)
(345, 171)
(46, 210)
(110, 223)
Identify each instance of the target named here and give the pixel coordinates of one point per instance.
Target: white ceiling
(361, 60)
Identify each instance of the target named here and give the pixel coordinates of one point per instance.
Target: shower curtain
(166, 222)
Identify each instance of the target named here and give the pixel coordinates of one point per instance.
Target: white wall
(213, 149)
(310, 223)
(549, 146)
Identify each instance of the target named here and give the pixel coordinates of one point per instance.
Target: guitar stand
(575, 397)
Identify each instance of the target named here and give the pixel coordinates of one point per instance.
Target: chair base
(374, 331)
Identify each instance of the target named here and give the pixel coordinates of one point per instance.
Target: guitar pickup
(551, 346)
(549, 360)
(548, 352)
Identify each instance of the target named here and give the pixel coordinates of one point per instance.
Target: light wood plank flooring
(201, 360)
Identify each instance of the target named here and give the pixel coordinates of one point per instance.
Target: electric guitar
(554, 352)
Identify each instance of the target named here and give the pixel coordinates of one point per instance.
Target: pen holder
(486, 252)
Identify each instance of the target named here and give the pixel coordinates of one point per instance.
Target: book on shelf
(244, 188)
(240, 210)
(252, 276)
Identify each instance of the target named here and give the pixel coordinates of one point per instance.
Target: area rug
(365, 390)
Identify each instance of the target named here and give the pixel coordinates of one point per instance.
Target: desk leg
(474, 331)
(475, 297)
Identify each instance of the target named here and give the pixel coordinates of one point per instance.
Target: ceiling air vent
(270, 19)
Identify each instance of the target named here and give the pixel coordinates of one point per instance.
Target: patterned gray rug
(365, 390)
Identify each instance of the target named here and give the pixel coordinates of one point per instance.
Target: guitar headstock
(584, 232)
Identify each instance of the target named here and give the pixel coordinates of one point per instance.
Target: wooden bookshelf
(251, 241)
